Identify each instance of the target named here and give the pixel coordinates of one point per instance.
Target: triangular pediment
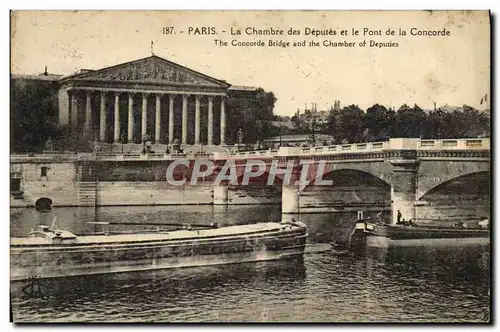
(152, 69)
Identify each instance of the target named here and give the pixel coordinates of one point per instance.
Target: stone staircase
(87, 185)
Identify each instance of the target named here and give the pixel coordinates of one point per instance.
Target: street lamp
(279, 131)
(122, 138)
(313, 131)
(201, 142)
(240, 138)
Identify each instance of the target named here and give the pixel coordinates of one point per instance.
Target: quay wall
(151, 193)
(52, 180)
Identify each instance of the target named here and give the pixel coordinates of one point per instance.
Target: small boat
(49, 252)
(369, 233)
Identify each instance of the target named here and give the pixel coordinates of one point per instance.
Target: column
(403, 190)
(130, 131)
(210, 120)
(116, 136)
(197, 121)
(102, 125)
(144, 123)
(171, 99)
(64, 100)
(87, 128)
(223, 120)
(184, 118)
(88, 111)
(74, 112)
(158, 119)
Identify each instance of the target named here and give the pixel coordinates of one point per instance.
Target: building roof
(286, 124)
(153, 69)
(243, 88)
(39, 77)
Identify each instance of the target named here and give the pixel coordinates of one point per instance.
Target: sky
(453, 70)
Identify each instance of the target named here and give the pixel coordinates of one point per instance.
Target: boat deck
(222, 232)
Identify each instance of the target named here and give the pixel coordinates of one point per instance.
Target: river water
(425, 284)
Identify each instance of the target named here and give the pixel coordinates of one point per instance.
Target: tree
(347, 124)
(476, 123)
(437, 124)
(467, 122)
(252, 113)
(332, 124)
(379, 121)
(33, 115)
(410, 122)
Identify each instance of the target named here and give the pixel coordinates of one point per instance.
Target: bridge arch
(434, 173)
(349, 176)
(261, 180)
(256, 191)
(473, 185)
(378, 169)
(349, 187)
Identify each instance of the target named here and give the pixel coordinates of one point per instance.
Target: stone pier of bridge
(404, 179)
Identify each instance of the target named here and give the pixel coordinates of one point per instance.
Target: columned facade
(157, 97)
(159, 125)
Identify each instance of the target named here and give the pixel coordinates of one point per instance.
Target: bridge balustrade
(455, 144)
(392, 144)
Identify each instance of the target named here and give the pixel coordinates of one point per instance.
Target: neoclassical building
(147, 99)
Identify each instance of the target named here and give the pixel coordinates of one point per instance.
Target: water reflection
(419, 284)
(160, 292)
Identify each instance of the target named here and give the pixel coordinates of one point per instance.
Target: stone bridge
(408, 168)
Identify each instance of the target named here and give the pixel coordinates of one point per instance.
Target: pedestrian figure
(399, 217)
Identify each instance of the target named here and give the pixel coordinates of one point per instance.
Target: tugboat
(49, 252)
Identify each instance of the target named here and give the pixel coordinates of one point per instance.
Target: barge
(368, 233)
(49, 252)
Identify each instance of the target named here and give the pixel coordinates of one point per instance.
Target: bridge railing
(151, 156)
(391, 144)
(454, 144)
(16, 158)
(253, 154)
(29, 157)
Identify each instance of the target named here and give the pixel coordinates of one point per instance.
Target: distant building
(151, 98)
(307, 116)
(299, 140)
(450, 109)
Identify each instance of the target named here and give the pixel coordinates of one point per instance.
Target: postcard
(250, 166)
